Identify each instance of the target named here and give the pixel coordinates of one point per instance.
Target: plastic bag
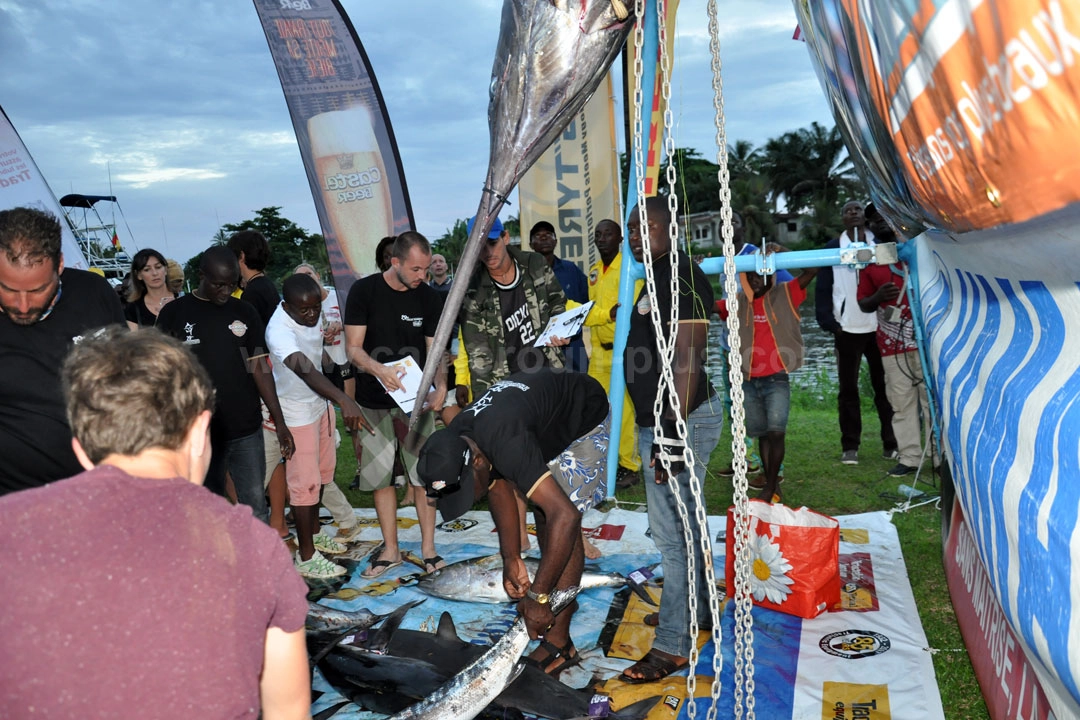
(794, 559)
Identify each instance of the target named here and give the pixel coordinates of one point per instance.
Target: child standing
(771, 348)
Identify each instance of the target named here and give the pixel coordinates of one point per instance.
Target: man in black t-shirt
(227, 336)
(45, 310)
(543, 436)
(391, 316)
(253, 253)
(698, 407)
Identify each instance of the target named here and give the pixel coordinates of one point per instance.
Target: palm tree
(743, 159)
(811, 169)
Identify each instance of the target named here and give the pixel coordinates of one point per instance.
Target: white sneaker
(327, 545)
(317, 567)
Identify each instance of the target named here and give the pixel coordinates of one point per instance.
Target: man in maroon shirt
(155, 596)
(881, 288)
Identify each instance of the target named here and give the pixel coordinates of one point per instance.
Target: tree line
(807, 170)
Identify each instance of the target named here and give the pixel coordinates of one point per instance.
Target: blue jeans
(673, 633)
(767, 402)
(245, 460)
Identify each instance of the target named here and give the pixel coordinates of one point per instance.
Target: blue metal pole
(632, 270)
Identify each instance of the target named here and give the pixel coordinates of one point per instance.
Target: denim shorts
(767, 401)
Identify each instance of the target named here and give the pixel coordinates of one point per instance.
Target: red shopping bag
(794, 559)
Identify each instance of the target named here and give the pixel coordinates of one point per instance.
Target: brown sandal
(568, 654)
(656, 665)
(652, 619)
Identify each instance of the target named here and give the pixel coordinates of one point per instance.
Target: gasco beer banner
(574, 183)
(21, 184)
(343, 130)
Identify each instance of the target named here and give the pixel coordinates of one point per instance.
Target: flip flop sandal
(554, 655)
(654, 666)
(434, 563)
(377, 568)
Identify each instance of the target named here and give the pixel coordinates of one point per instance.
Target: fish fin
(389, 626)
(639, 590)
(446, 629)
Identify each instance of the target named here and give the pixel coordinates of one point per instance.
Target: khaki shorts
(392, 438)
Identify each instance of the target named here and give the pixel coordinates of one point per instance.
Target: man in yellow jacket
(604, 292)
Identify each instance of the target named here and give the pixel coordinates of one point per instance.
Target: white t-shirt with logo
(300, 405)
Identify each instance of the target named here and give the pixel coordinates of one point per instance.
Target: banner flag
(343, 130)
(21, 184)
(574, 185)
(656, 127)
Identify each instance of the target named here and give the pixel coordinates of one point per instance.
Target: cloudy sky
(180, 101)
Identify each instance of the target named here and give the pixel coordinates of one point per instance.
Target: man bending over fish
(155, 597)
(541, 436)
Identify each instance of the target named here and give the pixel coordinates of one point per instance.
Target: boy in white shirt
(295, 342)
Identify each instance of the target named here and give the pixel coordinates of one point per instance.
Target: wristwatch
(538, 598)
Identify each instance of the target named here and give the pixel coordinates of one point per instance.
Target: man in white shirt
(855, 337)
(295, 341)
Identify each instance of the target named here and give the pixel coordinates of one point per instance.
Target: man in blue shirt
(542, 240)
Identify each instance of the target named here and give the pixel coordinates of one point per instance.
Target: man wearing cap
(505, 309)
(543, 240)
(541, 436)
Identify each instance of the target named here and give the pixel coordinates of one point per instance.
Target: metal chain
(665, 352)
(744, 635)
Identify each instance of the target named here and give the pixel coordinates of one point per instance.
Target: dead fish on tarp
(470, 691)
(550, 57)
(481, 580)
(415, 664)
(326, 620)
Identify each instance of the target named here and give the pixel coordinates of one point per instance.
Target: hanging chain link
(665, 351)
(744, 637)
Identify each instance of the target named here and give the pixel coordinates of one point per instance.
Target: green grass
(815, 478)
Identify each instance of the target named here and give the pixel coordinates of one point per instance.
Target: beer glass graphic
(351, 176)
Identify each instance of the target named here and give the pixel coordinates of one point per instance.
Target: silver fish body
(467, 694)
(481, 580)
(550, 57)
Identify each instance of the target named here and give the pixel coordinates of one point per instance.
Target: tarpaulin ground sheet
(866, 659)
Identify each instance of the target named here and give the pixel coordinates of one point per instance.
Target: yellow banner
(574, 185)
(655, 141)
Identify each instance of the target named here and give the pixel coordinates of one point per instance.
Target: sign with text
(342, 128)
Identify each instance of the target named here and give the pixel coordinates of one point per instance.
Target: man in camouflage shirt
(507, 306)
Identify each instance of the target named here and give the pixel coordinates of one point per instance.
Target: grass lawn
(815, 478)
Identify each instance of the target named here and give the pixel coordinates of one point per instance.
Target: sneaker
(901, 470)
(752, 466)
(317, 567)
(891, 454)
(347, 534)
(850, 457)
(758, 482)
(326, 544)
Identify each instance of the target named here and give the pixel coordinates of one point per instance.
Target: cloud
(181, 102)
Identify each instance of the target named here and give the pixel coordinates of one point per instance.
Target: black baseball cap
(444, 466)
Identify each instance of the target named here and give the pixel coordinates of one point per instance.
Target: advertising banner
(654, 148)
(21, 185)
(342, 128)
(962, 115)
(1001, 331)
(574, 185)
(1004, 673)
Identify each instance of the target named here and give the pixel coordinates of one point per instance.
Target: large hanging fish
(550, 58)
